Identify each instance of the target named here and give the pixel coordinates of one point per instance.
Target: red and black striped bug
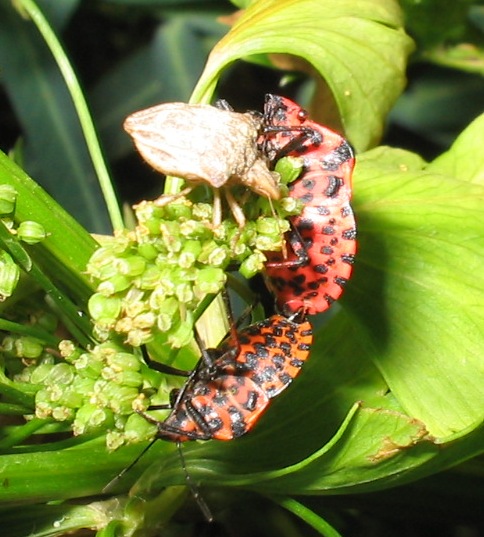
(323, 236)
(232, 386)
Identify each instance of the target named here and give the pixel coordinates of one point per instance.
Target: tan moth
(204, 144)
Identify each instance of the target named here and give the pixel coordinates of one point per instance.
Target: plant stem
(80, 104)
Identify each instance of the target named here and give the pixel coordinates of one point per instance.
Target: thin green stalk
(19, 434)
(28, 330)
(311, 518)
(85, 119)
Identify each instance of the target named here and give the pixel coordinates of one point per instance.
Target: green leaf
(415, 289)
(63, 471)
(419, 109)
(465, 159)
(64, 253)
(358, 47)
(55, 150)
(447, 36)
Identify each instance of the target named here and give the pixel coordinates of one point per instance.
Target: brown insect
(204, 144)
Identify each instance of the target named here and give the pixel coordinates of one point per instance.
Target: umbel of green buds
(150, 280)
(95, 389)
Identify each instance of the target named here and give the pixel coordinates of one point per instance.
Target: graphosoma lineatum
(232, 386)
(323, 236)
(204, 144)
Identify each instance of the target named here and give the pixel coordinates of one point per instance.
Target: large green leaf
(465, 159)
(358, 47)
(417, 287)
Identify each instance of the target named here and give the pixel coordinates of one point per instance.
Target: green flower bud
(31, 232)
(28, 347)
(149, 279)
(40, 373)
(180, 209)
(159, 303)
(137, 338)
(8, 198)
(192, 229)
(248, 234)
(114, 440)
(289, 168)
(9, 275)
(148, 251)
(266, 243)
(148, 211)
(102, 307)
(60, 375)
(71, 398)
(87, 417)
(171, 236)
(182, 334)
(115, 284)
(122, 398)
(210, 280)
(144, 321)
(62, 413)
(252, 265)
(101, 259)
(99, 396)
(184, 293)
(131, 379)
(214, 255)
(134, 303)
(69, 351)
(124, 325)
(137, 429)
(83, 385)
(124, 361)
(203, 211)
(89, 366)
(189, 253)
(290, 206)
(43, 405)
(268, 226)
(131, 266)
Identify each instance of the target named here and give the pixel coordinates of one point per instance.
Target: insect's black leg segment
(167, 406)
(162, 368)
(298, 247)
(165, 430)
(195, 415)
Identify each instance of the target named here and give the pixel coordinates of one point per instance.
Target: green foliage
(393, 391)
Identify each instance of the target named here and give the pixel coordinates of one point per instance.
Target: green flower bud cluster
(97, 389)
(28, 231)
(151, 279)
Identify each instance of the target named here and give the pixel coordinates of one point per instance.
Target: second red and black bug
(323, 236)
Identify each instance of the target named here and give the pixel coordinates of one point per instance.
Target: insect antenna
(204, 508)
